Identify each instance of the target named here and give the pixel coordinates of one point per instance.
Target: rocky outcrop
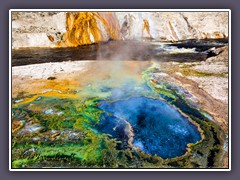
(64, 29)
(89, 27)
(37, 29)
(173, 26)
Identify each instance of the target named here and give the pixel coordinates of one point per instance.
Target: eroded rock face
(89, 27)
(173, 26)
(37, 29)
(51, 29)
(207, 24)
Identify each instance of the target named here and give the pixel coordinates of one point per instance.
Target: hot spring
(157, 127)
(137, 110)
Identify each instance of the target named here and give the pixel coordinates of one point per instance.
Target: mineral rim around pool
(158, 128)
(64, 111)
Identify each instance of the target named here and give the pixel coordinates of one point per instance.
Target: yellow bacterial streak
(46, 94)
(89, 27)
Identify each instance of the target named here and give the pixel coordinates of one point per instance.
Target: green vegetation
(191, 72)
(67, 137)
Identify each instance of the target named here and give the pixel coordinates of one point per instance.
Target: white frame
(120, 10)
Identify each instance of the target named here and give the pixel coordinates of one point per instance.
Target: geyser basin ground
(158, 128)
(56, 113)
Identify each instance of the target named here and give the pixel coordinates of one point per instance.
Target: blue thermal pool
(151, 125)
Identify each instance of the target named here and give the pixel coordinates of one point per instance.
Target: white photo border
(120, 10)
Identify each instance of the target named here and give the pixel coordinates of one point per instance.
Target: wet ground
(56, 114)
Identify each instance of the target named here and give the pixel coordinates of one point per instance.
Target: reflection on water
(158, 128)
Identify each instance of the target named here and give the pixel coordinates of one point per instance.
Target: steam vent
(120, 90)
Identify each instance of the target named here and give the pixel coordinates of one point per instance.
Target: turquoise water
(158, 127)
